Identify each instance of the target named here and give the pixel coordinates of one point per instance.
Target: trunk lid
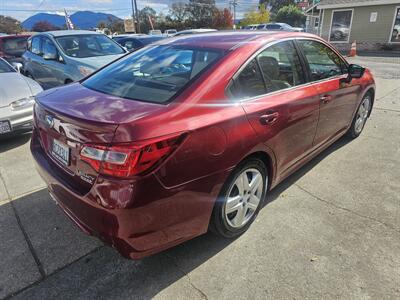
(69, 117)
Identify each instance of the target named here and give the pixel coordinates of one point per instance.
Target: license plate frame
(61, 152)
(5, 127)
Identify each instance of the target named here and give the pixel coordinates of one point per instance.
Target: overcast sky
(22, 9)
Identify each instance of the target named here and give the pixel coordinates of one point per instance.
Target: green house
(373, 24)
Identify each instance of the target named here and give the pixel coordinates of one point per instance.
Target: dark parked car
(134, 43)
(191, 134)
(12, 47)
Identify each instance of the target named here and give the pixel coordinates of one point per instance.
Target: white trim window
(395, 32)
(340, 28)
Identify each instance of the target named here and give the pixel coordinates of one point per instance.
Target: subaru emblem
(49, 121)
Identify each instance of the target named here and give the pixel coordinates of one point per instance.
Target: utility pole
(234, 4)
(133, 15)
(137, 17)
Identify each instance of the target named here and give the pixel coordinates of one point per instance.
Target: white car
(155, 32)
(17, 94)
(194, 31)
(170, 32)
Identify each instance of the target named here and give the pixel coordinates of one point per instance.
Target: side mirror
(50, 56)
(17, 66)
(356, 71)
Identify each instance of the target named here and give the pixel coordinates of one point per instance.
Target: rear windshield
(5, 67)
(14, 46)
(154, 74)
(88, 45)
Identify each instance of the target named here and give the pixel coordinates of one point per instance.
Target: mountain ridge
(81, 19)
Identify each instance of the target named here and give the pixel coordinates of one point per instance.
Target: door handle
(269, 118)
(326, 99)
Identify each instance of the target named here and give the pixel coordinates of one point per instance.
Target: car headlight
(85, 71)
(22, 102)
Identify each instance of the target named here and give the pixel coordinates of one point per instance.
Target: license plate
(60, 152)
(5, 127)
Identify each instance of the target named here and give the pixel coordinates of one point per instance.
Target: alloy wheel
(243, 198)
(362, 114)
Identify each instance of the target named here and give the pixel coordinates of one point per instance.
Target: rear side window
(36, 45)
(249, 83)
(153, 74)
(273, 27)
(280, 64)
(276, 68)
(323, 61)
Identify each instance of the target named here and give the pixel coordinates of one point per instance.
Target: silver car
(55, 58)
(16, 99)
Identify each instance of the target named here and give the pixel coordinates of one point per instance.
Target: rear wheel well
(266, 159)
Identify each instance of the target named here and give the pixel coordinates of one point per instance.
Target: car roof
(58, 33)
(227, 40)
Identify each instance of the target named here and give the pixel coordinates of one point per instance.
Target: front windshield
(5, 67)
(88, 45)
(15, 46)
(154, 74)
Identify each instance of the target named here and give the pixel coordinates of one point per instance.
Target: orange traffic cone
(353, 50)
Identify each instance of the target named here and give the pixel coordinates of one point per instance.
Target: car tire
(239, 201)
(361, 116)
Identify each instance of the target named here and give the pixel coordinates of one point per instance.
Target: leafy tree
(201, 12)
(275, 5)
(223, 19)
(256, 16)
(144, 15)
(9, 25)
(291, 15)
(178, 12)
(42, 26)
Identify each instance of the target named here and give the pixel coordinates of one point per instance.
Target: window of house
(316, 22)
(341, 25)
(323, 62)
(395, 33)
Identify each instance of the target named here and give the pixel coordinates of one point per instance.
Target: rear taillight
(126, 160)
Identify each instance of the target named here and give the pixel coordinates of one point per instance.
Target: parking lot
(331, 230)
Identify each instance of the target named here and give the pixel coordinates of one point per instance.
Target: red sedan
(191, 133)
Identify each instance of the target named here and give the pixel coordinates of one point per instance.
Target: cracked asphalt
(331, 230)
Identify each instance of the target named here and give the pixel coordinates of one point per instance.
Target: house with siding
(373, 24)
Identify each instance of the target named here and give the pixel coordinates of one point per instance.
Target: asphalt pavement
(331, 230)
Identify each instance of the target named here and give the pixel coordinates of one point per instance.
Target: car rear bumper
(156, 219)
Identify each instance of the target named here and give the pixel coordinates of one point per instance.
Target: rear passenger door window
(281, 66)
(323, 61)
(36, 46)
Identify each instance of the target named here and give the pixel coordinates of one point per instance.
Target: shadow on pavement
(8, 142)
(78, 266)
